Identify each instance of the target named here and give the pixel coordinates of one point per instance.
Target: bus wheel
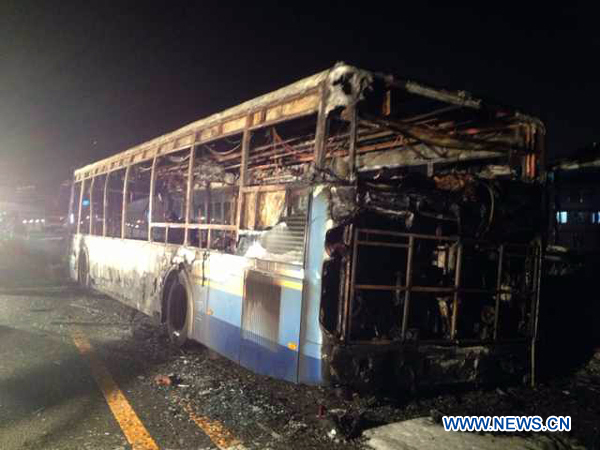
(178, 322)
(83, 274)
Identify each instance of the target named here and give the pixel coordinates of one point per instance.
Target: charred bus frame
(255, 231)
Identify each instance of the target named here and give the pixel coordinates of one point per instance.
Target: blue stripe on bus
(268, 358)
(222, 337)
(259, 354)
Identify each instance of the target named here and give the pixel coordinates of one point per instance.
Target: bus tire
(83, 272)
(179, 312)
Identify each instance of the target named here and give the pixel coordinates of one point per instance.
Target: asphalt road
(79, 370)
(50, 397)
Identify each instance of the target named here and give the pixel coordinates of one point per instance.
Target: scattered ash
(260, 411)
(267, 413)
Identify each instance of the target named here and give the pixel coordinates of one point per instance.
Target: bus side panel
(73, 255)
(128, 270)
(311, 339)
(200, 295)
(271, 325)
(224, 308)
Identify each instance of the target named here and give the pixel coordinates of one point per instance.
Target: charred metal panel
(262, 304)
(128, 270)
(308, 103)
(410, 368)
(270, 325)
(134, 280)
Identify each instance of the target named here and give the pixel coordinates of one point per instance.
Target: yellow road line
(132, 427)
(217, 433)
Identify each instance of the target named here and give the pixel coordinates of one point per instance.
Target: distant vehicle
(351, 228)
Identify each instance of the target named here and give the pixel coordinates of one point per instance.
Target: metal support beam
(408, 283)
(352, 283)
(91, 191)
(243, 172)
(188, 195)
(124, 207)
(104, 203)
(79, 206)
(498, 288)
(352, 142)
(343, 309)
(539, 249)
(321, 131)
(457, 278)
(207, 209)
(151, 199)
(459, 98)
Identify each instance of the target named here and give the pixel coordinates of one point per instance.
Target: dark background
(83, 80)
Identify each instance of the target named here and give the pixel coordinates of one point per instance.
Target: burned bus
(350, 228)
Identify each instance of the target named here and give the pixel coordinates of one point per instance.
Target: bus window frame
(239, 189)
(93, 224)
(140, 168)
(86, 182)
(110, 174)
(74, 214)
(167, 225)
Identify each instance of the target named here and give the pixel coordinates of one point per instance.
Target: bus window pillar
(352, 143)
(71, 206)
(151, 199)
(79, 206)
(124, 210)
(104, 204)
(91, 194)
(321, 131)
(188, 194)
(243, 173)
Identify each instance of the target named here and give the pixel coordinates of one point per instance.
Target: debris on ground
(266, 413)
(163, 380)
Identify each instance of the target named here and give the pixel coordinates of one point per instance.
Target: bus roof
(304, 97)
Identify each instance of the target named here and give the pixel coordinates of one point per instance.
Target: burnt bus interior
(434, 200)
(438, 238)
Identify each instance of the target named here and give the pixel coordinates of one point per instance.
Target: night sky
(83, 80)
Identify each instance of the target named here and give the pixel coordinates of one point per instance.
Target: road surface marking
(215, 430)
(132, 427)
